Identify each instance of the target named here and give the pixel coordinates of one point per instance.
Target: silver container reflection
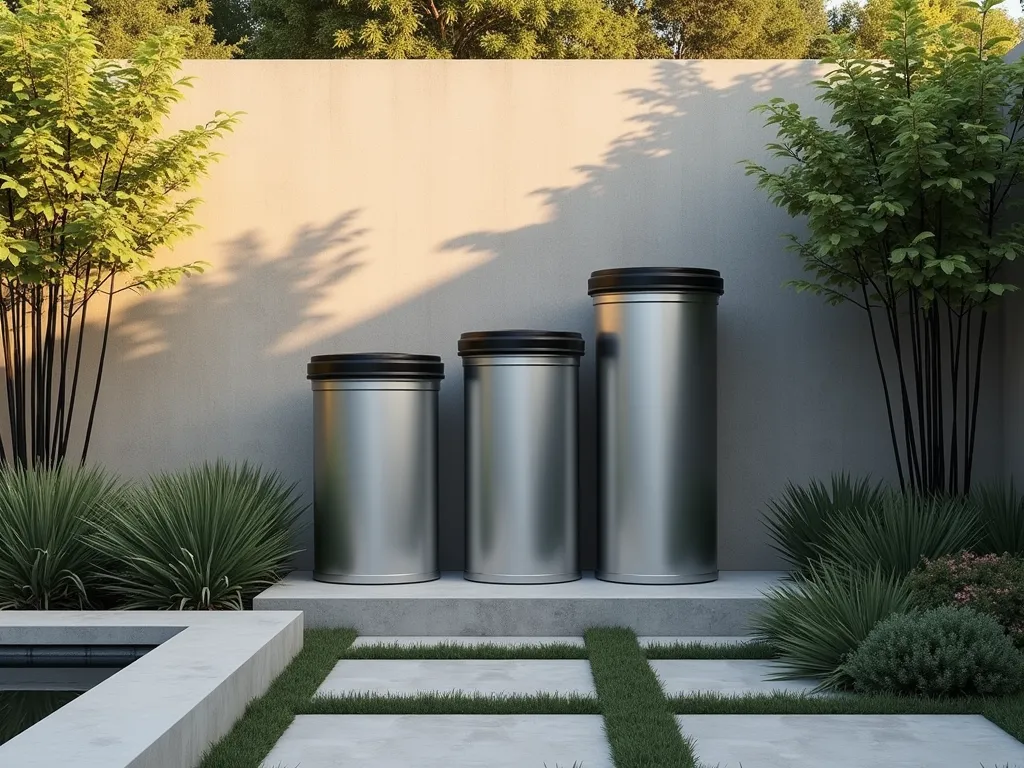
(375, 467)
(657, 424)
(521, 455)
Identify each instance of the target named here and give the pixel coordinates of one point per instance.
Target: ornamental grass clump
(817, 620)
(899, 530)
(800, 520)
(989, 584)
(46, 562)
(862, 525)
(942, 652)
(208, 538)
(1001, 512)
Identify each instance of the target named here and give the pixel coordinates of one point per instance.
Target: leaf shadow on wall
(668, 191)
(197, 334)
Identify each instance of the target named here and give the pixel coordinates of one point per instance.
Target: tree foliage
(232, 21)
(906, 195)
(536, 28)
(295, 29)
(723, 29)
(120, 25)
(459, 29)
(214, 28)
(870, 31)
(846, 17)
(90, 190)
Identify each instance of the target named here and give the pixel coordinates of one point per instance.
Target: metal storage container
(375, 467)
(657, 424)
(521, 455)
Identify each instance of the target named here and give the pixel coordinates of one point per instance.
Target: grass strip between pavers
(266, 718)
(677, 651)
(639, 720)
(639, 724)
(483, 651)
(452, 703)
(1005, 711)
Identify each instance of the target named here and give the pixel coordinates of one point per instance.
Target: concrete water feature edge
(165, 709)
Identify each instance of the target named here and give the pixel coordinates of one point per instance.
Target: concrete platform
(851, 741)
(454, 606)
(407, 677)
(443, 741)
(733, 677)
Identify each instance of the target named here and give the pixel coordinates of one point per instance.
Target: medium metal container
(522, 415)
(375, 467)
(657, 424)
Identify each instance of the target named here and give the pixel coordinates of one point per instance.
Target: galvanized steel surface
(375, 481)
(521, 468)
(657, 437)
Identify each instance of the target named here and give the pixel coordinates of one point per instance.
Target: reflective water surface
(21, 709)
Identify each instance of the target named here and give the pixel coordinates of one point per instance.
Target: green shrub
(942, 652)
(989, 584)
(798, 522)
(817, 620)
(1001, 511)
(211, 537)
(899, 530)
(46, 562)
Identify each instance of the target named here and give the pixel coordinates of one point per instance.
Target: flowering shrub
(989, 584)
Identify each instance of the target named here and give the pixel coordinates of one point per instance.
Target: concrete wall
(369, 206)
(1013, 356)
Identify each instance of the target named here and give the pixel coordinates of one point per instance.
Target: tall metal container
(375, 467)
(657, 424)
(521, 455)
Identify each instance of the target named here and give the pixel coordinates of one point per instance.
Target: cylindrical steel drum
(521, 455)
(375, 467)
(657, 424)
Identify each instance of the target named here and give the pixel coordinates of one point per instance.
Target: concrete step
(453, 606)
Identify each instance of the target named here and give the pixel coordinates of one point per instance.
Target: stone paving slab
(485, 678)
(649, 641)
(851, 741)
(505, 641)
(727, 677)
(442, 741)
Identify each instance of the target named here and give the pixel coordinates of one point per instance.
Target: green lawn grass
(638, 721)
(452, 704)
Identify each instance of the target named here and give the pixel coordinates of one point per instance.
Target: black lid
(520, 343)
(656, 280)
(375, 365)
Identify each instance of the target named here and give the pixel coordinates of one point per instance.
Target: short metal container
(657, 425)
(375, 467)
(522, 415)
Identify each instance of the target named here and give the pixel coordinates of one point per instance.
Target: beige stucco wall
(392, 205)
